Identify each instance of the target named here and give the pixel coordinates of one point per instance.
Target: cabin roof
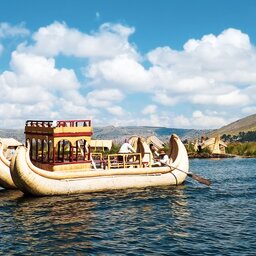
(211, 141)
(156, 141)
(10, 142)
(101, 144)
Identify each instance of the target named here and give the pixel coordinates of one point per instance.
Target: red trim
(62, 134)
(72, 134)
(64, 163)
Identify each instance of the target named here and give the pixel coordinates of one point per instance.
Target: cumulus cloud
(163, 98)
(7, 30)
(34, 88)
(104, 98)
(249, 110)
(121, 72)
(109, 41)
(37, 70)
(214, 74)
(150, 109)
(116, 110)
(200, 120)
(232, 98)
(212, 70)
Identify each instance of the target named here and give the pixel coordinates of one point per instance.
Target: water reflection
(83, 220)
(180, 214)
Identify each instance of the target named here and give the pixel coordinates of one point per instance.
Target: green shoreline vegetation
(247, 149)
(242, 144)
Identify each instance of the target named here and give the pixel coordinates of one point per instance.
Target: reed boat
(55, 167)
(5, 175)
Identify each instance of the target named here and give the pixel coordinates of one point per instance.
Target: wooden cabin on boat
(56, 144)
(66, 145)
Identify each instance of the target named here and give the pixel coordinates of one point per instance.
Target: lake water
(188, 220)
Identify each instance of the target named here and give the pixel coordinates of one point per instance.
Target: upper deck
(60, 128)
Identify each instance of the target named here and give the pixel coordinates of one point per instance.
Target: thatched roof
(103, 144)
(212, 141)
(155, 141)
(10, 142)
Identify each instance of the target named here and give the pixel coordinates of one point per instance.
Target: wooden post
(42, 148)
(48, 150)
(58, 153)
(31, 148)
(63, 153)
(76, 150)
(71, 152)
(54, 154)
(84, 149)
(36, 149)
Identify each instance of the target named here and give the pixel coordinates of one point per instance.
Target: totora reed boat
(58, 161)
(7, 148)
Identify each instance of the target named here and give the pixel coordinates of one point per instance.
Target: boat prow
(5, 175)
(36, 181)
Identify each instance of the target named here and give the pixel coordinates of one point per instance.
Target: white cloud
(249, 110)
(104, 98)
(35, 88)
(181, 121)
(7, 30)
(200, 120)
(33, 70)
(214, 70)
(109, 41)
(69, 109)
(233, 98)
(116, 110)
(164, 99)
(215, 75)
(121, 71)
(149, 109)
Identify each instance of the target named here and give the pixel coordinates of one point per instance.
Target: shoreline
(207, 155)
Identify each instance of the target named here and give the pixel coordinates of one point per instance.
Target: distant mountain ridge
(118, 134)
(242, 125)
(17, 134)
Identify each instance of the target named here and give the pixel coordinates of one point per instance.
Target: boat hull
(35, 181)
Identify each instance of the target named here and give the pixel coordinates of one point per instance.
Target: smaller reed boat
(8, 145)
(58, 161)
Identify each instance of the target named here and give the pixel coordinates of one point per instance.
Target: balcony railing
(59, 123)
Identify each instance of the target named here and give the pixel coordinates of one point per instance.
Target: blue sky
(183, 64)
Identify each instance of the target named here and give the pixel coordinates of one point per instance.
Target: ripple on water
(187, 220)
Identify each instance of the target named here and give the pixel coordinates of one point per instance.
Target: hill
(118, 134)
(17, 134)
(242, 125)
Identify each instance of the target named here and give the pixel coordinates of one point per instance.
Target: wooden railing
(124, 160)
(61, 123)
